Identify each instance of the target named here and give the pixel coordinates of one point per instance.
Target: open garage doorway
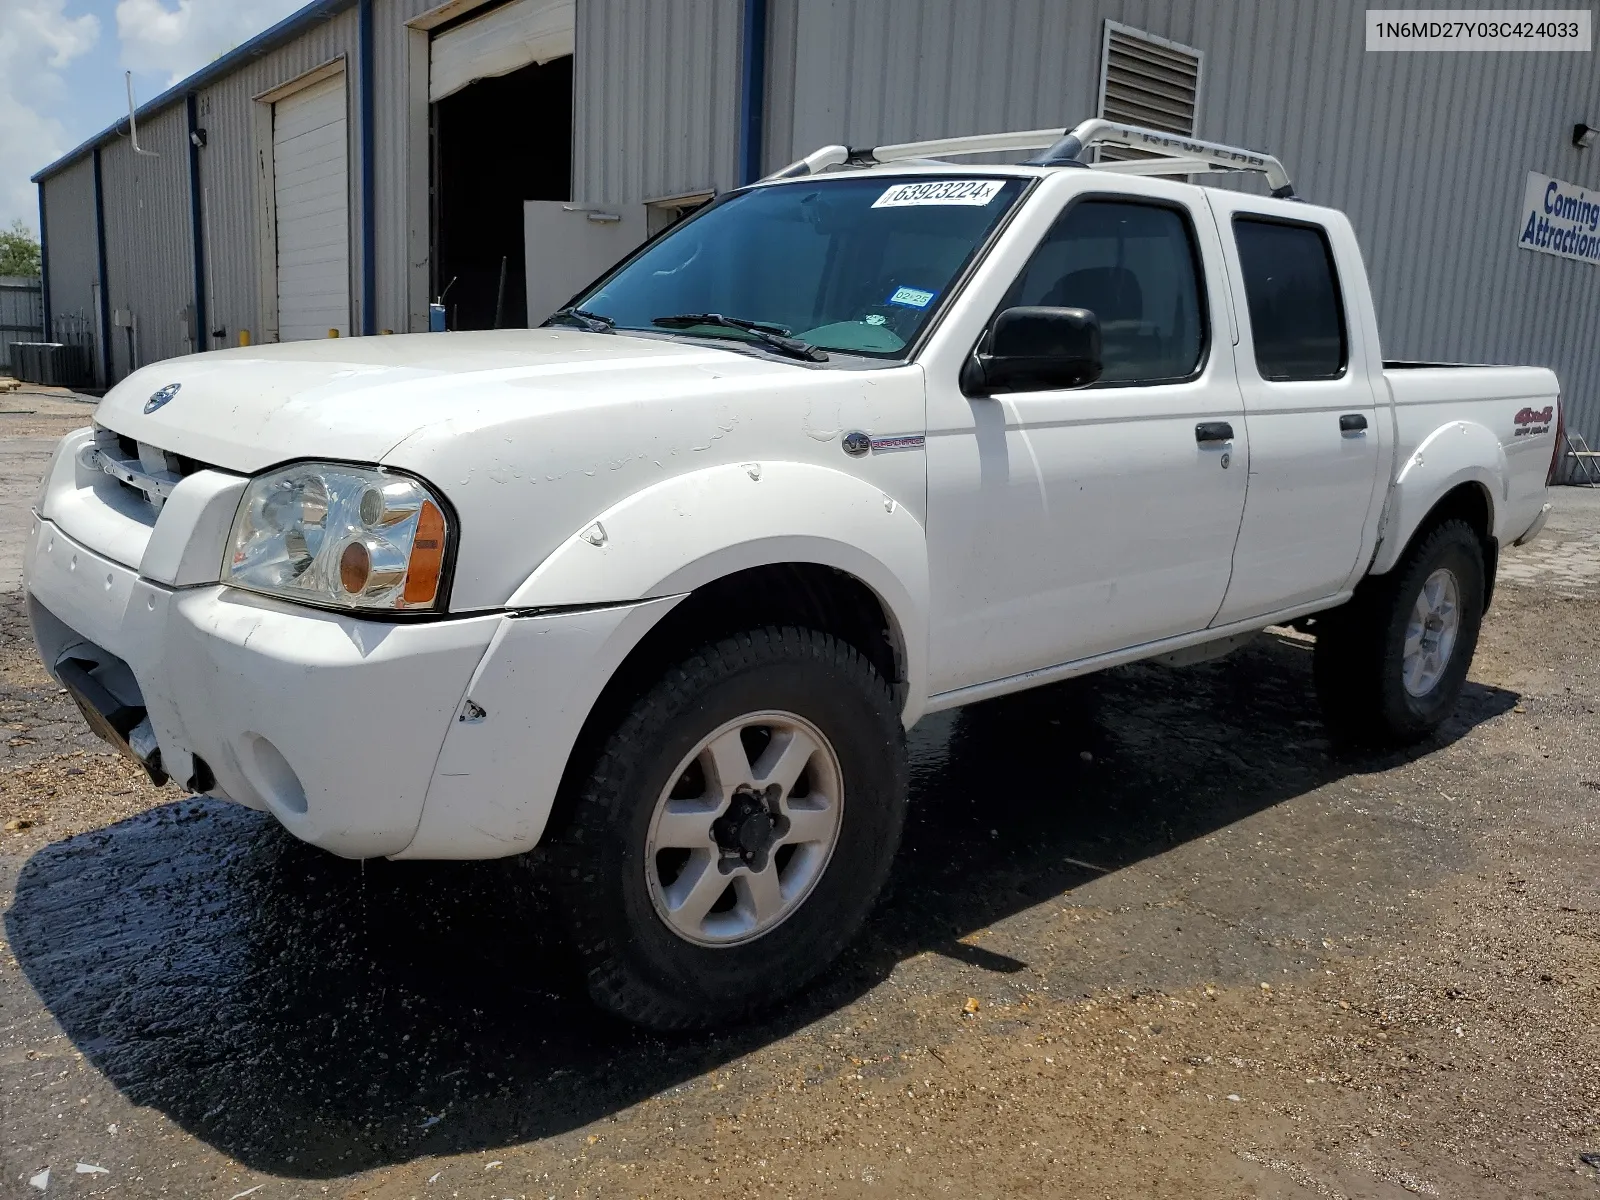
(501, 134)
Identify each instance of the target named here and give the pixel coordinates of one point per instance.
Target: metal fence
(21, 315)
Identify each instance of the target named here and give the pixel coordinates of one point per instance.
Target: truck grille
(145, 470)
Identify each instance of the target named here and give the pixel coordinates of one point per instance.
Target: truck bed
(1436, 404)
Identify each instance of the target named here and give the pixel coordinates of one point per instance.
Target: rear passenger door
(1305, 372)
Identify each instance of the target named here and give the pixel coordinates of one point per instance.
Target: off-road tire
(1360, 648)
(634, 965)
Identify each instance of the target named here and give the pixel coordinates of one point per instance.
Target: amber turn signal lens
(427, 556)
(355, 568)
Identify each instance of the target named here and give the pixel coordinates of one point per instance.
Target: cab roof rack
(1173, 153)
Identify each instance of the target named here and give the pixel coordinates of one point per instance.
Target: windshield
(858, 265)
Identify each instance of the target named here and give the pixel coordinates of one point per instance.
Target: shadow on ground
(308, 1016)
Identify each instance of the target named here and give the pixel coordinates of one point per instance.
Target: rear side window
(1134, 267)
(1296, 311)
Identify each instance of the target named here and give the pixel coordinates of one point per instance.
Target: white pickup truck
(663, 583)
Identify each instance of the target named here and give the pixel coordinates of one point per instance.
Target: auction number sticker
(974, 192)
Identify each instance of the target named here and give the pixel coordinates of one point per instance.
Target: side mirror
(1035, 349)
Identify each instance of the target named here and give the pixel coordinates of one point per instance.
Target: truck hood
(357, 398)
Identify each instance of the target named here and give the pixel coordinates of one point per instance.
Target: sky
(62, 64)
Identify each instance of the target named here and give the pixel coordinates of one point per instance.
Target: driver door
(1069, 524)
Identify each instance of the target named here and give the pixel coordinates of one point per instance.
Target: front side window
(1135, 267)
(1296, 315)
(858, 265)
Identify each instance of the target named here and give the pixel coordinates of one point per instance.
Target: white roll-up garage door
(311, 190)
(503, 40)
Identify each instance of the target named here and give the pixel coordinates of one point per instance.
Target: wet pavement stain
(311, 1017)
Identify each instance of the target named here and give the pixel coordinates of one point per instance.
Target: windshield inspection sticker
(910, 297)
(974, 192)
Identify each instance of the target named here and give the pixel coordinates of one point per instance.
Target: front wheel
(1391, 664)
(736, 829)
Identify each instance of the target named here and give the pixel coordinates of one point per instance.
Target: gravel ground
(1149, 934)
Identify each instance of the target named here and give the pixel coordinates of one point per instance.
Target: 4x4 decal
(1530, 421)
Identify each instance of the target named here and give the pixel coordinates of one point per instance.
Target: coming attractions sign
(1560, 218)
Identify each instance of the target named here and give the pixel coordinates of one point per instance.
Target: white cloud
(37, 40)
(176, 41)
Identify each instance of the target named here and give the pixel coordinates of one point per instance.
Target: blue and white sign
(1560, 218)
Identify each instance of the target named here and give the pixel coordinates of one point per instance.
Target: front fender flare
(1457, 453)
(687, 531)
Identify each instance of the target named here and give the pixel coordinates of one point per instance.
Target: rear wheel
(736, 829)
(1391, 664)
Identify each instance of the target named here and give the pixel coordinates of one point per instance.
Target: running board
(1116, 658)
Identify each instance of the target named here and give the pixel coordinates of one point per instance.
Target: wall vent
(1149, 81)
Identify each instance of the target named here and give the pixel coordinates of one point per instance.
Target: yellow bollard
(244, 337)
(333, 333)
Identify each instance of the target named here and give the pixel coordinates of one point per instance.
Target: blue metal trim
(285, 30)
(105, 284)
(44, 265)
(752, 90)
(196, 229)
(369, 195)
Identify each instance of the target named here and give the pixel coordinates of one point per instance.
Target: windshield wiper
(593, 322)
(775, 336)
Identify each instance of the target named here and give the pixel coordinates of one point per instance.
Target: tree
(19, 252)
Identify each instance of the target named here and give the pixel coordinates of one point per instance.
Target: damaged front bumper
(120, 722)
(331, 723)
(428, 739)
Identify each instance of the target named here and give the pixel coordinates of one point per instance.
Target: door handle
(1213, 431)
(1352, 423)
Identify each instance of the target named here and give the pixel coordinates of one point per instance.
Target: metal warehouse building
(363, 157)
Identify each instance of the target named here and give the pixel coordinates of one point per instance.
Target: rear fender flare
(1456, 453)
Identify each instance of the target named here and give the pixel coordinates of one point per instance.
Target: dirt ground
(1149, 935)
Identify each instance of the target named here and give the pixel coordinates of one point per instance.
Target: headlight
(339, 536)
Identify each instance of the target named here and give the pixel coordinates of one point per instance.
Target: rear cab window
(1291, 285)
